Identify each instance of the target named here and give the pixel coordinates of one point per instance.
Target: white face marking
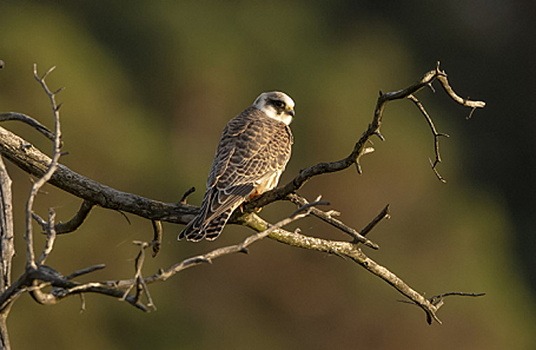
(276, 105)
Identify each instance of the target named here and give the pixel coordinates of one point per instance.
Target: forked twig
(436, 135)
(30, 254)
(360, 147)
(329, 218)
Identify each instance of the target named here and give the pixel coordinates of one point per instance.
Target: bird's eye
(279, 104)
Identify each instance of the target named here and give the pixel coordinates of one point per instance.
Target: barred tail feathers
(216, 210)
(215, 227)
(197, 229)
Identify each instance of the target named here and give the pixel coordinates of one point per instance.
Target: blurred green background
(149, 87)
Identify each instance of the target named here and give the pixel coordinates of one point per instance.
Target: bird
(254, 149)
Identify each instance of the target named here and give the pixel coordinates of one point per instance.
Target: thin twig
(156, 243)
(184, 197)
(384, 214)
(30, 254)
(328, 217)
(436, 135)
(141, 286)
(85, 271)
(27, 120)
(438, 300)
(70, 226)
(51, 237)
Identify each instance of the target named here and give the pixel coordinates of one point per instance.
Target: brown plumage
(253, 151)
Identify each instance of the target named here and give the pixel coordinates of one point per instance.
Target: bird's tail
(198, 228)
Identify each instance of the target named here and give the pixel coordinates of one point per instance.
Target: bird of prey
(254, 149)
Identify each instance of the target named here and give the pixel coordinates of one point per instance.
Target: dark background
(150, 85)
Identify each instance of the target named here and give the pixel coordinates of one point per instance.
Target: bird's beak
(291, 112)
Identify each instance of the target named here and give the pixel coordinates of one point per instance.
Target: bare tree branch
(23, 154)
(121, 289)
(436, 134)
(141, 286)
(38, 277)
(7, 248)
(158, 232)
(27, 120)
(346, 250)
(329, 218)
(384, 214)
(30, 254)
(360, 148)
(34, 162)
(438, 300)
(70, 226)
(51, 238)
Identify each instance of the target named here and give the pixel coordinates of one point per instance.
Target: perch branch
(31, 160)
(27, 157)
(360, 148)
(35, 162)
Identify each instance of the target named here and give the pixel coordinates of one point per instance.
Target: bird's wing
(252, 148)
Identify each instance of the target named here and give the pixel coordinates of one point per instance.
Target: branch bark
(30, 159)
(7, 246)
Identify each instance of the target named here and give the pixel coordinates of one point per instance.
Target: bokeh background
(150, 85)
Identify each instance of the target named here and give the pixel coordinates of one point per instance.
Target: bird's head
(277, 105)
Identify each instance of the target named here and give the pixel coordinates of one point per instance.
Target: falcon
(254, 149)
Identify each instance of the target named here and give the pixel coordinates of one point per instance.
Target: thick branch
(33, 161)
